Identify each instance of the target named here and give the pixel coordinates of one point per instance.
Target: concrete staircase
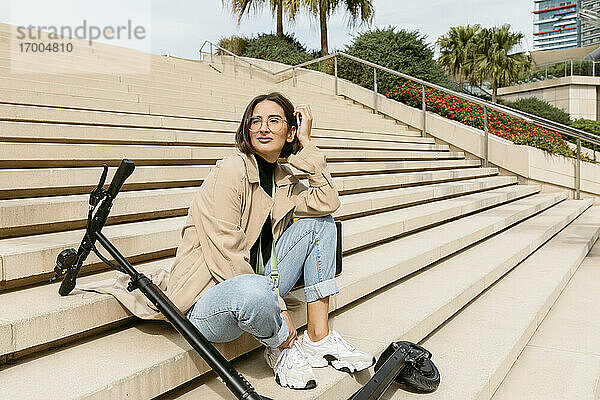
(430, 238)
(561, 361)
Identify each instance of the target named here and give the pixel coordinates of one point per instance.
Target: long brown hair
(242, 136)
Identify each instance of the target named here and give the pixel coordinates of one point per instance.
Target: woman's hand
(292, 329)
(305, 127)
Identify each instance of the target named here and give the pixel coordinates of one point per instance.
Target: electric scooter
(403, 362)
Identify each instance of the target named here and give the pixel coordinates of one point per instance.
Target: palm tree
(241, 7)
(456, 48)
(493, 59)
(361, 11)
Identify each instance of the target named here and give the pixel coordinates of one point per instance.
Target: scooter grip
(68, 283)
(125, 169)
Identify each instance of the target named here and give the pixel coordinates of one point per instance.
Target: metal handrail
(545, 66)
(530, 118)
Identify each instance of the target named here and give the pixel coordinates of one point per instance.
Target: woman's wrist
(304, 143)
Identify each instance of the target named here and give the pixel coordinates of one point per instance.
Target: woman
(241, 252)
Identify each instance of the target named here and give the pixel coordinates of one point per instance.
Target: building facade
(588, 32)
(557, 24)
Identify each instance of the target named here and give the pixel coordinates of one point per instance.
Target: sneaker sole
(311, 384)
(346, 366)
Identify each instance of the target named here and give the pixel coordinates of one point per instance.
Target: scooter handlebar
(123, 172)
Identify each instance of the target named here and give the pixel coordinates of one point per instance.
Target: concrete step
(53, 88)
(455, 282)
(193, 110)
(562, 359)
(30, 182)
(70, 133)
(31, 258)
(145, 67)
(377, 228)
(20, 113)
(27, 155)
(498, 194)
(30, 216)
(86, 54)
(104, 82)
(199, 97)
(148, 351)
(60, 100)
(324, 121)
(57, 62)
(205, 93)
(20, 74)
(148, 81)
(487, 337)
(71, 314)
(73, 90)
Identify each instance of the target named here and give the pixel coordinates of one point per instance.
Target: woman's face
(267, 143)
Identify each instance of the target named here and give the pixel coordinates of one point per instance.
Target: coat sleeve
(321, 197)
(216, 211)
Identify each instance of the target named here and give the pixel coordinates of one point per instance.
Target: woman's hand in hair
(292, 330)
(305, 127)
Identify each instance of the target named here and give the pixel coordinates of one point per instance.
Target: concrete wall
(576, 95)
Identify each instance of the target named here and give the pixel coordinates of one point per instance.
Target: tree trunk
(323, 22)
(280, 18)
(494, 90)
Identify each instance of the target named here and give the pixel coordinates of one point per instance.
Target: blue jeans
(248, 303)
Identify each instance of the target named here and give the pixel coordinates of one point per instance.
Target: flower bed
(469, 113)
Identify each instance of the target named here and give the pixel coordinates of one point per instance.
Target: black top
(265, 174)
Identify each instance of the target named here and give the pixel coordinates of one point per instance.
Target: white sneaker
(334, 350)
(291, 367)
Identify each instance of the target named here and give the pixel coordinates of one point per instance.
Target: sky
(179, 27)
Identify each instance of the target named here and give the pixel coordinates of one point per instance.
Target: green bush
(401, 51)
(235, 44)
(284, 49)
(587, 125)
(541, 108)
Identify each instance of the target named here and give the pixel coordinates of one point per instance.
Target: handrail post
(546, 71)
(336, 74)
(234, 66)
(250, 69)
(374, 90)
(565, 68)
(294, 77)
(211, 53)
(486, 140)
(222, 62)
(571, 67)
(424, 107)
(593, 68)
(594, 152)
(578, 172)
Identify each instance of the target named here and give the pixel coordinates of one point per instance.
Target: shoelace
(293, 355)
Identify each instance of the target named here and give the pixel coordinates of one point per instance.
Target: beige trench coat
(225, 219)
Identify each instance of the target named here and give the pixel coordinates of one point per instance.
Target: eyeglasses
(274, 123)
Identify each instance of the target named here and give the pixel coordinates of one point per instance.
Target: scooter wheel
(422, 377)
